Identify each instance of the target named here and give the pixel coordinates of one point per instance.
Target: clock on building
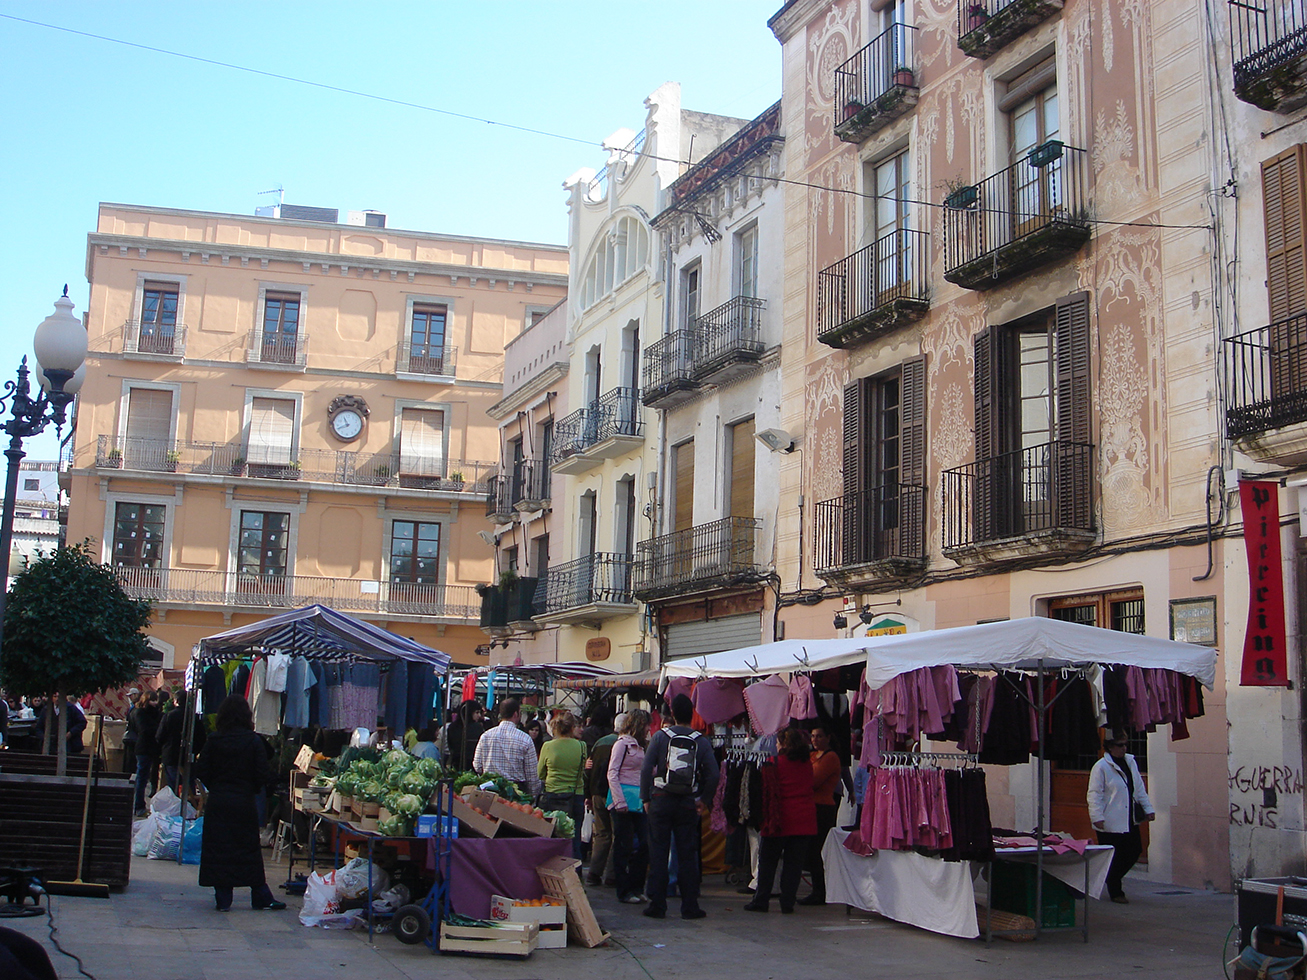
(346, 414)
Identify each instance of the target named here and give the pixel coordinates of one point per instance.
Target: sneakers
(273, 906)
(633, 900)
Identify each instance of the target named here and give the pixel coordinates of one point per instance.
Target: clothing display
(396, 688)
(802, 704)
(213, 688)
(968, 816)
(718, 699)
(918, 701)
(299, 678)
(905, 808)
(278, 664)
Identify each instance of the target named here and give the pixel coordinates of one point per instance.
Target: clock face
(347, 424)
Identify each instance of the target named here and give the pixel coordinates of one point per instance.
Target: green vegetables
(408, 804)
(564, 825)
(373, 791)
(396, 825)
(396, 757)
(429, 768)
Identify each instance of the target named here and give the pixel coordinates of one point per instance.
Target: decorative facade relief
(831, 41)
(1118, 185)
(824, 422)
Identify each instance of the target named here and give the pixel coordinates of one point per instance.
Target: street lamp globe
(71, 387)
(60, 342)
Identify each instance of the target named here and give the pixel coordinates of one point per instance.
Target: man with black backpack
(676, 784)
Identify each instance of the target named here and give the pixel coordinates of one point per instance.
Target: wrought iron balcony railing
(985, 27)
(204, 587)
(876, 85)
(598, 579)
(156, 339)
(507, 603)
(1043, 488)
(1029, 214)
(875, 290)
(879, 524)
(706, 556)
(425, 359)
(499, 499)
(730, 334)
(277, 351)
(1267, 368)
(1269, 50)
(614, 414)
(318, 465)
(529, 487)
(669, 369)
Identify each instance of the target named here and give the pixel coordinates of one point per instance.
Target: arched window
(622, 253)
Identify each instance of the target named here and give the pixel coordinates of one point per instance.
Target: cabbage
(371, 792)
(407, 804)
(321, 780)
(564, 825)
(429, 768)
(363, 769)
(395, 757)
(395, 776)
(415, 782)
(396, 825)
(347, 784)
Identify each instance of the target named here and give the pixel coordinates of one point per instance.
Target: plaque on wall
(1194, 620)
(598, 648)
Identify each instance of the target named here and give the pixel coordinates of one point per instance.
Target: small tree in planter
(170, 459)
(238, 466)
(903, 75)
(456, 480)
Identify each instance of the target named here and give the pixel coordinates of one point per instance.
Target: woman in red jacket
(789, 823)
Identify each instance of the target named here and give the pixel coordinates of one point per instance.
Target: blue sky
(89, 120)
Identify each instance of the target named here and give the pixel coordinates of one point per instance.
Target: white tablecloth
(1067, 867)
(904, 886)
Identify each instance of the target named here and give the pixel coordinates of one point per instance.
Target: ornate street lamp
(60, 346)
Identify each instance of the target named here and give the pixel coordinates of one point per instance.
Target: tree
(70, 629)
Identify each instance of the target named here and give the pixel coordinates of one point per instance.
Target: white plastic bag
(349, 919)
(143, 834)
(588, 827)
(166, 803)
(352, 880)
(320, 898)
(167, 839)
(391, 900)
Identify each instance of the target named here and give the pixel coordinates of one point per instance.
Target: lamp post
(60, 346)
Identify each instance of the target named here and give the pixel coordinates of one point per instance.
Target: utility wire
(558, 136)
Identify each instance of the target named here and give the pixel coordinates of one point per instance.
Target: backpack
(679, 773)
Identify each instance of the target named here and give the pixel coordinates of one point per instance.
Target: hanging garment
(470, 686)
(678, 685)
(299, 679)
(903, 809)
(1072, 723)
(719, 699)
(396, 679)
(968, 807)
(266, 704)
(422, 683)
(1007, 736)
(319, 699)
(213, 689)
(278, 664)
(802, 705)
(240, 680)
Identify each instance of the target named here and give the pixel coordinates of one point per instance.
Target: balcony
(529, 490)
(708, 556)
(871, 537)
(392, 471)
(985, 27)
(277, 353)
(874, 291)
(1267, 413)
(728, 340)
(587, 590)
(509, 606)
(1031, 502)
(1268, 42)
(424, 362)
(499, 500)
(154, 341)
(1033, 213)
(609, 427)
(669, 378)
(192, 587)
(876, 85)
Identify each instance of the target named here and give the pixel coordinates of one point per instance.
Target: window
(421, 447)
(624, 531)
(31, 485)
(415, 553)
(885, 465)
(1031, 104)
(158, 318)
(271, 449)
(517, 467)
(683, 499)
(746, 262)
(542, 556)
(138, 535)
(281, 319)
(690, 295)
(546, 451)
(892, 12)
(621, 253)
(890, 223)
(586, 521)
(262, 552)
(427, 340)
(1033, 422)
(510, 561)
(148, 433)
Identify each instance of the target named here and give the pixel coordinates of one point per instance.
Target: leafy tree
(70, 629)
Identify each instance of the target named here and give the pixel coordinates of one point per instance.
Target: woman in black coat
(233, 766)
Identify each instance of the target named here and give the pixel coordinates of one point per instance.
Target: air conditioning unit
(365, 219)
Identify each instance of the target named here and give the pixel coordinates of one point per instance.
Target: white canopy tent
(772, 658)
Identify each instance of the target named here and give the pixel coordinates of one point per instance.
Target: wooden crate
(498, 808)
(41, 824)
(505, 939)
(552, 919)
(560, 880)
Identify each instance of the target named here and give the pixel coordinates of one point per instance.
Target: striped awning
(642, 678)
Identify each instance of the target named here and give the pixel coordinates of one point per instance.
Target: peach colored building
(279, 412)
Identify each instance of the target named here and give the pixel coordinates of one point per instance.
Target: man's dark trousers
(670, 814)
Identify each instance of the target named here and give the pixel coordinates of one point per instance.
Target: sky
(87, 120)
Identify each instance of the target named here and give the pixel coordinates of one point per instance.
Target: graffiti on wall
(1259, 789)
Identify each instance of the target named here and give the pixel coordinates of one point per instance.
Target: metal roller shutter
(713, 636)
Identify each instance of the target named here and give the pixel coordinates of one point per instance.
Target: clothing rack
(900, 760)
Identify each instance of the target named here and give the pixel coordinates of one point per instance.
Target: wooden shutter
(272, 430)
(422, 442)
(742, 469)
(149, 419)
(857, 523)
(912, 456)
(1284, 201)
(1072, 466)
(683, 519)
(988, 419)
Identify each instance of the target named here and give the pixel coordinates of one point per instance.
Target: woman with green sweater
(562, 771)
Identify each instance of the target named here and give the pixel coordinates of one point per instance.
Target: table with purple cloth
(480, 868)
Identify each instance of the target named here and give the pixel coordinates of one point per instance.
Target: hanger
(754, 665)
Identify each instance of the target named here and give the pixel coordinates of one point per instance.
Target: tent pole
(1039, 805)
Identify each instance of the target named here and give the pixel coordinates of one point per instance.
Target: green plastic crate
(1014, 891)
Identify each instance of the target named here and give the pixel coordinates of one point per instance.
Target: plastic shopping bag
(193, 841)
(167, 839)
(588, 827)
(320, 898)
(143, 834)
(166, 803)
(352, 880)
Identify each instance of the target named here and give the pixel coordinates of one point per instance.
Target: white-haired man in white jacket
(1118, 803)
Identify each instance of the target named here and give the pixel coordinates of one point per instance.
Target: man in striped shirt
(509, 751)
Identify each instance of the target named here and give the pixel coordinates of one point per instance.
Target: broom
(78, 888)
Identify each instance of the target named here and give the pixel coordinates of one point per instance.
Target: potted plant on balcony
(381, 475)
(115, 459)
(238, 466)
(852, 108)
(1045, 153)
(904, 76)
(456, 480)
(292, 470)
(170, 460)
(961, 196)
(977, 16)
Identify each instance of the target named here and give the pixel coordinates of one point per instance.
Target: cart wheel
(411, 925)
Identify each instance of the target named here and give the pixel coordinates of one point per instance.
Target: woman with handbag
(1118, 804)
(630, 834)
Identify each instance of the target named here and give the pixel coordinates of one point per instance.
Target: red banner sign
(1265, 661)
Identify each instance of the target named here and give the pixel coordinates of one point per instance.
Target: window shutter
(742, 468)
(1072, 464)
(854, 526)
(684, 516)
(149, 420)
(422, 442)
(985, 489)
(272, 430)
(912, 455)
(1283, 202)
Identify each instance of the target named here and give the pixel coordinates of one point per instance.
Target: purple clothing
(624, 766)
(802, 703)
(719, 699)
(769, 705)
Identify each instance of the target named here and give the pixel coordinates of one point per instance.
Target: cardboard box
(426, 826)
(304, 760)
(477, 823)
(498, 807)
(552, 919)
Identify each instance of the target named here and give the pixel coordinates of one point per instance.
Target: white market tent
(1016, 644)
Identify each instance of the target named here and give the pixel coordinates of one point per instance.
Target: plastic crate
(1014, 891)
